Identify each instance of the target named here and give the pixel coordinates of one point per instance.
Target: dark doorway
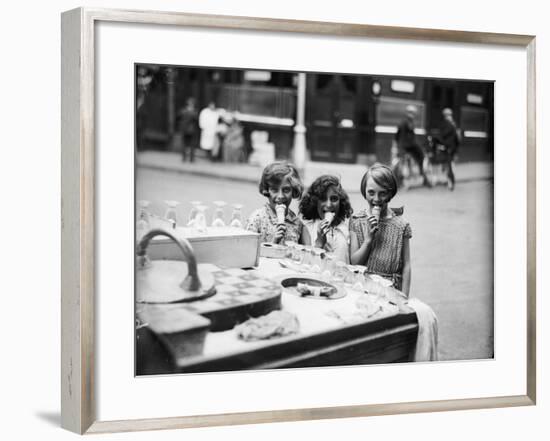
(441, 94)
(331, 115)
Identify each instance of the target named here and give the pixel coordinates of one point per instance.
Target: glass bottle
(217, 220)
(236, 216)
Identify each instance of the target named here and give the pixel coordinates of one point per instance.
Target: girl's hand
(322, 231)
(323, 228)
(279, 233)
(372, 225)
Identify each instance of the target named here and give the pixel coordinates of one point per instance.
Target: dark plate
(291, 282)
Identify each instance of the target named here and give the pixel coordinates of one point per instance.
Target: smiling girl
(326, 210)
(280, 183)
(379, 236)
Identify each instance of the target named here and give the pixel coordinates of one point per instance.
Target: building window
(402, 86)
(474, 98)
(257, 76)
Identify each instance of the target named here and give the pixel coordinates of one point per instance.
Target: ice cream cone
(376, 212)
(280, 210)
(329, 216)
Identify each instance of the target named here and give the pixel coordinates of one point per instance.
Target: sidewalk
(350, 174)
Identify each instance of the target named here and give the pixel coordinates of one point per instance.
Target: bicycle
(406, 168)
(438, 163)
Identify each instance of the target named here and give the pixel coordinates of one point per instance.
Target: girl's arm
(253, 224)
(322, 232)
(359, 254)
(305, 238)
(406, 285)
(320, 242)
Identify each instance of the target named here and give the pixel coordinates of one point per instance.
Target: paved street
(451, 248)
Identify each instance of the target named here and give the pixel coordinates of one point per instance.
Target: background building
(347, 118)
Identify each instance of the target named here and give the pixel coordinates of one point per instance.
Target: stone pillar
(299, 156)
(171, 101)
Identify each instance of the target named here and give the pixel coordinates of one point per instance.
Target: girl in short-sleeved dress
(379, 236)
(386, 256)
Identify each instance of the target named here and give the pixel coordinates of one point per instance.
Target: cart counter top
(331, 332)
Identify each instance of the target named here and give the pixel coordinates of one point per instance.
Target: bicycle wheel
(430, 169)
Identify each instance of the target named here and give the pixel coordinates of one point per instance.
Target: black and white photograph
(310, 219)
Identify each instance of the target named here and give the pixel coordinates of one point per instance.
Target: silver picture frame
(78, 394)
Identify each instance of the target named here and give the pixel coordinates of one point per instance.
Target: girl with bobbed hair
(280, 183)
(379, 236)
(326, 209)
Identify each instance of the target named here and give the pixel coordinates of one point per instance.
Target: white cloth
(208, 122)
(337, 241)
(426, 342)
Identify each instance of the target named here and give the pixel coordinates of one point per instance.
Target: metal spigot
(191, 288)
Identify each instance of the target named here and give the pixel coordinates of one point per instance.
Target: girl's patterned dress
(386, 256)
(264, 221)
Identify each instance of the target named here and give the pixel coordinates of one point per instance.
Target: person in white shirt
(208, 123)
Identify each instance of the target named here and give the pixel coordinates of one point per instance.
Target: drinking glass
(217, 220)
(307, 256)
(170, 213)
(299, 253)
(200, 219)
(339, 274)
(349, 274)
(143, 223)
(291, 249)
(317, 260)
(328, 267)
(193, 212)
(374, 288)
(236, 216)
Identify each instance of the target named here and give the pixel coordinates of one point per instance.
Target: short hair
(318, 191)
(275, 173)
(383, 176)
(411, 109)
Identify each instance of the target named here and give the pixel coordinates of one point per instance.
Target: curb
(245, 179)
(201, 173)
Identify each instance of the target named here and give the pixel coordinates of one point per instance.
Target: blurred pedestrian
(221, 131)
(450, 138)
(405, 141)
(208, 123)
(233, 140)
(189, 129)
